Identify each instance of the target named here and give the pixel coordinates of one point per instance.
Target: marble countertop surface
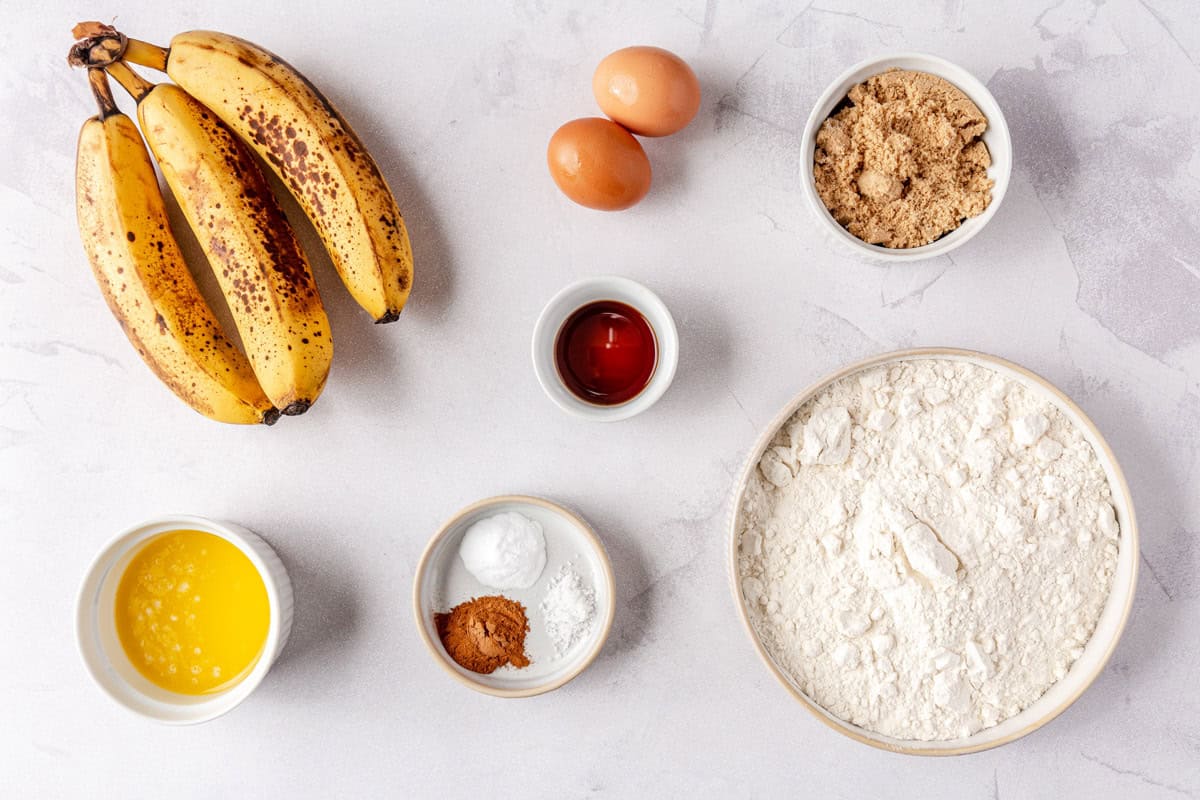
(1089, 274)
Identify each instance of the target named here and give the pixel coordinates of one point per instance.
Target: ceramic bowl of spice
(605, 349)
(514, 596)
(904, 157)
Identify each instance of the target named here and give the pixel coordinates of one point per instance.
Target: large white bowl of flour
(934, 550)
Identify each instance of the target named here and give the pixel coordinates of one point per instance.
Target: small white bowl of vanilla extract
(605, 349)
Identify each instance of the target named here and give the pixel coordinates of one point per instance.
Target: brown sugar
(485, 633)
(903, 164)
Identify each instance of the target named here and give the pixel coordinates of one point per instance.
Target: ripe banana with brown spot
(310, 146)
(144, 278)
(250, 245)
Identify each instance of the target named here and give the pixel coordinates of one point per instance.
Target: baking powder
(504, 551)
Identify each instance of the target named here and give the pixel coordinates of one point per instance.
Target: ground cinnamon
(485, 633)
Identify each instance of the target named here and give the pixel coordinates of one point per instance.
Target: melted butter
(192, 612)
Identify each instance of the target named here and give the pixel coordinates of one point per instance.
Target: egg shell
(598, 164)
(648, 90)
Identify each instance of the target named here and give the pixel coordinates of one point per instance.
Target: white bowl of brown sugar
(905, 156)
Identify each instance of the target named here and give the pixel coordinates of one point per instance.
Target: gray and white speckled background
(1089, 274)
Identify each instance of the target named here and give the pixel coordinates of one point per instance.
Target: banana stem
(135, 84)
(102, 91)
(146, 54)
(99, 45)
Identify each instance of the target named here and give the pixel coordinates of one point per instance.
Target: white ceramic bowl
(96, 634)
(995, 137)
(1112, 619)
(443, 582)
(579, 294)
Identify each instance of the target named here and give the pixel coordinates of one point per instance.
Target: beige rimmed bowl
(1112, 619)
(442, 581)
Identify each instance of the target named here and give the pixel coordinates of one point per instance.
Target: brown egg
(598, 164)
(650, 91)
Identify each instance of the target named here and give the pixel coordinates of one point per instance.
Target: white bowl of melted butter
(132, 617)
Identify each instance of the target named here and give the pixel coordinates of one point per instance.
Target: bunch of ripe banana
(229, 97)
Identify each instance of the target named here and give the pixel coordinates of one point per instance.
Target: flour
(926, 547)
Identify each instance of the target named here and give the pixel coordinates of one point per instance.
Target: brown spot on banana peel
(278, 242)
(305, 170)
(168, 378)
(176, 321)
(267, 282)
